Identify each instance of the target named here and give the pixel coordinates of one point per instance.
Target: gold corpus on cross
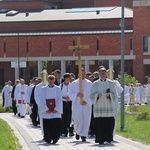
(79, 47)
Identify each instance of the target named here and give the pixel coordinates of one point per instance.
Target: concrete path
(30, 138)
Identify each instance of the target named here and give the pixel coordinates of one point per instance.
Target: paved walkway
(30, 138)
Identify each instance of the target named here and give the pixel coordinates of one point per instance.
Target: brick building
(35, 37)
(24, 5)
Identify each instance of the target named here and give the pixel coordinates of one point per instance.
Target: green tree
(127, 79)
(147, 77)
(44, 65)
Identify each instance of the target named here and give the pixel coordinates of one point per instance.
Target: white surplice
(81, 114)
(119, 90)
(147, 94)
(37, 96)
(7, 95)
(51, 93)
(23, 97)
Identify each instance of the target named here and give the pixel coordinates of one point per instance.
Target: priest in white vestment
(147, 93)
(21, 97)
(139, 93)
(103, 95)
(29, 91)
(81, 113)
(37, 96)
(7, 94)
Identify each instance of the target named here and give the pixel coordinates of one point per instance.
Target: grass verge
(7, 139)
(137, 123)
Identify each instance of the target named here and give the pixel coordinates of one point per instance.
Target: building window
(32, 72)
(1, 78)
(97, 46)
(131, 44)
(103, 63)
(56, 63)
(145, 44)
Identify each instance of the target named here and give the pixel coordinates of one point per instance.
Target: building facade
(24, 5)
(29, 40)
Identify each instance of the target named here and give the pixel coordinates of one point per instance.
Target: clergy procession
(63, 105)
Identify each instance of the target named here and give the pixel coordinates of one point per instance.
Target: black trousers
(3, 102)
(14, 106)
(92, 127)
(104, 127)
(51, 129)
(66, 117)
(35, 118)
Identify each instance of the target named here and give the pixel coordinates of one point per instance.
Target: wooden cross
(79, 47)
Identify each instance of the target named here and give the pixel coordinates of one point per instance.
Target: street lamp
(122, 66)
(18, 57)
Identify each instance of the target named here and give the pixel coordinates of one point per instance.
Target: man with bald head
(21, 97)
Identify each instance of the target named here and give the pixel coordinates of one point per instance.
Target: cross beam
(79, 47)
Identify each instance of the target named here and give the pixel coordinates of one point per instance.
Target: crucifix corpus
(79, 47)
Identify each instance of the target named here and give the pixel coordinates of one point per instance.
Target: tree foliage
(127, 79)
(147, 77)
(44, 64)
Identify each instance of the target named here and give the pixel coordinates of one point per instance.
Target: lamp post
(122, 66)
(18, 57)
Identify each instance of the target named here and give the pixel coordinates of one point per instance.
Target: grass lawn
(7, 139)
(137, 123)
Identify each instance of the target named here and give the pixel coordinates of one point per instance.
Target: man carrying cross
(79, 92)
(81, 112)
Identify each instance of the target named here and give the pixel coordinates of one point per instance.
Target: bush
(127, 79)
(142, 116)
(8, 109)
(2, 109)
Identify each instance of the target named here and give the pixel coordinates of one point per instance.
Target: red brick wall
(25, 5)
(9, 73)
(141, 27)
(39, 47)
(109, 44)
(128, 3)
(94, 3)
(31, 5)
(77, 3)
(105, 24)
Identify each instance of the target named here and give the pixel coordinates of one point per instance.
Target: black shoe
(64, 135)
(83, 139)
(101, 143)
(34, 124)
(49, 141)
(71, 134)
(92, 135)
(18, 114)
(108, 141)
(55, 141)
(77, 137)
(22, 116)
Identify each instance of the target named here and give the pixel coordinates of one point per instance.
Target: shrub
(2, 109)
(8, 109)
(127, 79)
(142, 116)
